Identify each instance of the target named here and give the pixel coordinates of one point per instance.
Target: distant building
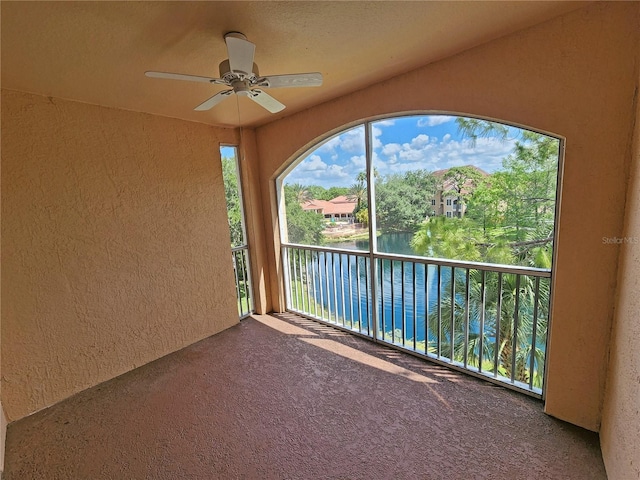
(445, 201)
(339, 209)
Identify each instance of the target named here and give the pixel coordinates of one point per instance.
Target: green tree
(460, 239)
(447, 238)
(485, 206)
(510, 214)
(316, 192)
(533, 170)
(362, 215)
(299, 192)
(234, 210)
(304, 227)
(358, 192)
(333, 192)
(402, 200)
(462, 181)
(473, 128)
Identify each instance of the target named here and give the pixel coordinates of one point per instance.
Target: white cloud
(387, 122)
(338, 161)
(329, 175)
(330, 145)
(352, 141)
(311, 164)
(420, 141)
(433, 120)
(429, 153)
(359, 161)
(391, 149)
(412, 154)
(336, 172)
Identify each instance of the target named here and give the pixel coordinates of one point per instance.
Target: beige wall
(573, 76)
(620, 433)
(115, 241)
(251, 191)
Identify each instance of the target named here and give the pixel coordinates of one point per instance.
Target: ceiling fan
(241, 74)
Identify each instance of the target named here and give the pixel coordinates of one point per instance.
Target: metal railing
(487, 320)
(242, 271)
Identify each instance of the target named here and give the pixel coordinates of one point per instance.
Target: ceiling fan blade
(241, 53)
(293, 80)
(213, 101)
(188, 78)
(266, 101)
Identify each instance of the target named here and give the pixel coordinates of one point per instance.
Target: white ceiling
(97, 52)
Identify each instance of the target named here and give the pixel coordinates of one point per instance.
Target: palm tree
(358, 192)
(488, 333)
(300, 193)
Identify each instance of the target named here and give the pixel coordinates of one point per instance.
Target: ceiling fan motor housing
(241, 87)
(229, 76)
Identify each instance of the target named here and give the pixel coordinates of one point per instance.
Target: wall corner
(254, 220)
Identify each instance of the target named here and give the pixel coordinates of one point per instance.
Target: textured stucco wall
(252, 188)
(620, 433)
(115, 241)
(573, 76)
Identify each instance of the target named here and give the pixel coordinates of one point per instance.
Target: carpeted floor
(288, 398)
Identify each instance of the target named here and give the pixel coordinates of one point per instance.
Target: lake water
(387, 242)
(405, 296)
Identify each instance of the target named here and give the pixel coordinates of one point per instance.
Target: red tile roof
(336, 206)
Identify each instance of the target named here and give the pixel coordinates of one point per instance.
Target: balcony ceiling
(97, 52)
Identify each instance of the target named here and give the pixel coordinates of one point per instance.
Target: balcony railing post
(534, 332)
(242, 273)
(426, 308)
(415, 308)
(514, 341)
(483, 295)
(359, 293)
(307, 277)
(404, 311)
(496, 360)
(393, 303)
(466, 318)
(453, 315)
(373, 239)
(439, 311)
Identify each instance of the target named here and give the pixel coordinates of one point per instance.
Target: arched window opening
(432, 233)
(325, 194)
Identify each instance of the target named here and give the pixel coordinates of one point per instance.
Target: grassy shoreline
(346, 238)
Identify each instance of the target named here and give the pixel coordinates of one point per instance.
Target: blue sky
(430, 142)
(228, 152)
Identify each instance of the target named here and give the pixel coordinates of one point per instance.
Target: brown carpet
(287, 398)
